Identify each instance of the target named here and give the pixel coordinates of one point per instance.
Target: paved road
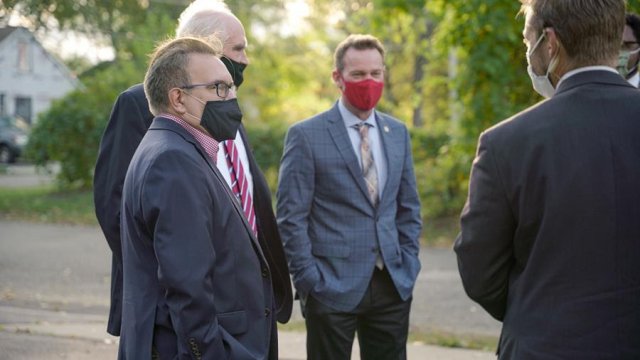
(67, 267)
(56, 274)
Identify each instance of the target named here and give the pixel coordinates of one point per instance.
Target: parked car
(13, 138)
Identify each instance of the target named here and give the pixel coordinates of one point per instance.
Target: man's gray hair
(201, 19)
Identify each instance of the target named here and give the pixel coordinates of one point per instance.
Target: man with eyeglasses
(550, 233)
(630, 50)
(196, 284)
(129, 121)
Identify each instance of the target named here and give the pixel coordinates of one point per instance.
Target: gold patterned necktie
(369, 172)
(368, 165)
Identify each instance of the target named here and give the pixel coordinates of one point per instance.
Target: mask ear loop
(555, 60)
(197, 99)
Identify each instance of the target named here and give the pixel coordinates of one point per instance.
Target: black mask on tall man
(235, 69)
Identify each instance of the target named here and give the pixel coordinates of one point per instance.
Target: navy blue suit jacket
(194, 274)
(550, 241)
(129, 121)
(330, 229)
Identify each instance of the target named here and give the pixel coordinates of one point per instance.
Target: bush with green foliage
(69, 132)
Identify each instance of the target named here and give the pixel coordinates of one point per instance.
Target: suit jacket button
(267, 312)
(194, 348)
(265, 273)
(374, 249)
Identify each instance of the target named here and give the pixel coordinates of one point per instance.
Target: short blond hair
(590, 31)
(358, 42)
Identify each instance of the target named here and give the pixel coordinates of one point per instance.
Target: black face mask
(221, 119)
(235, 69)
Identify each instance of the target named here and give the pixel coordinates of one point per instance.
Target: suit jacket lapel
(389, 142)
(341, 138)
(232, 198)
(216, 173)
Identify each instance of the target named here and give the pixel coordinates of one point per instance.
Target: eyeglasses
(222, 88)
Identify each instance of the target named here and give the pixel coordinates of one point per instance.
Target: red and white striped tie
(240, 185)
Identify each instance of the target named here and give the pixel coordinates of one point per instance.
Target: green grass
(46, 204)
(431, 337)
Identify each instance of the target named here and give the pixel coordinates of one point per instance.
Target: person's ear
(337, 79)
(176, 100)
(553, 43)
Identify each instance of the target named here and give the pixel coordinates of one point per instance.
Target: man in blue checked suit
(349, 215)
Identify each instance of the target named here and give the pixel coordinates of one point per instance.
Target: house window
(23, 108)
(24, 61)
(3, 110)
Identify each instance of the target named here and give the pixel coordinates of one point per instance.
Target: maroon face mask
(364, 95)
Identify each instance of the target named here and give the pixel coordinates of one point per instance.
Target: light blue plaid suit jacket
(330, 230)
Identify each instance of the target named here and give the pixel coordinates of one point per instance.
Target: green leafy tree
(486, 83)
(109, 22)
(418, 88)
(454, 68)
(69, 132)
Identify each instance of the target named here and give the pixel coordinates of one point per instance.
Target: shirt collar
(209, 144)
(350, 120)
(635, 79)
(584, 69)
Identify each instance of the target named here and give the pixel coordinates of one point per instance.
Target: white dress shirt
(375, 142)
(244, 160)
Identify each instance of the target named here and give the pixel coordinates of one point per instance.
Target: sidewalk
(61, 326)
(26, 175)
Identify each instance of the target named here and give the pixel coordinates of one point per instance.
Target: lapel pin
(386, 129)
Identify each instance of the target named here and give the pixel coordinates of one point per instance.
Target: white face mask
(541, 83)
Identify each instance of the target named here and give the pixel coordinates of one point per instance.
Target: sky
(67, 44)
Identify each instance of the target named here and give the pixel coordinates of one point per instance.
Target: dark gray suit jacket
(550, 240)
(196, 282)
(330, 229)
(129, 121)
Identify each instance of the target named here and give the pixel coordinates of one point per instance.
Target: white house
(30, 77)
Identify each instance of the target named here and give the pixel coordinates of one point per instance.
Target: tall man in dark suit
(130, 119)
(550, 240)
(349, 215)
(196, 282)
